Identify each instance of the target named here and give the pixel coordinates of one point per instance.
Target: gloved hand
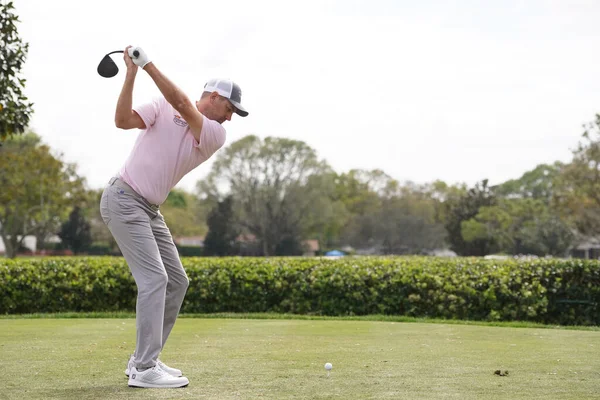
(141, 59)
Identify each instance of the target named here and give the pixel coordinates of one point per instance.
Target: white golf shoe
(172, 371)
(155, 377)
(130, 365)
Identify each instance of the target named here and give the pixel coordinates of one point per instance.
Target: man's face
(222, 109)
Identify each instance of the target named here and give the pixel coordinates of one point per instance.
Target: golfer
(177, 136)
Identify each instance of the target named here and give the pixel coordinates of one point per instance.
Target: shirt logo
(179, 121)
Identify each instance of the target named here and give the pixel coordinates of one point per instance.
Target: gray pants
(147, 245)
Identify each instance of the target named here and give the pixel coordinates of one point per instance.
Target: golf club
(107, 67)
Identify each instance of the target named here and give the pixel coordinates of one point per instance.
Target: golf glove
(141, 60)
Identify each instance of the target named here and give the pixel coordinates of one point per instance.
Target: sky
(456, 91)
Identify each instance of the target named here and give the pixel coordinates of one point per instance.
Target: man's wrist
(149, 65)
(131, 72)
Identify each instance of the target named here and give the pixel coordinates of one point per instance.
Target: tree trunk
(11, 252)
(40, 241)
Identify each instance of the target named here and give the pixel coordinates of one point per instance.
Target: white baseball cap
(230, 90)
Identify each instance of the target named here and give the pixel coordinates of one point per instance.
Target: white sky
(458, 91)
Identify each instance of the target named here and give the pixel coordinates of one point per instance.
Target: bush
(189, 251)
(546, 291)
(98, 250)
(55, 284)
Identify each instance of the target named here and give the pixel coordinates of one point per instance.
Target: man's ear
(214, 96)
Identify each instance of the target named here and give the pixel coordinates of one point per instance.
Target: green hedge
(190, 251)
(545, 291)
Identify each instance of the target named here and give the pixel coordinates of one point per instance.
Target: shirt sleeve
(149, 111)
(212, 137)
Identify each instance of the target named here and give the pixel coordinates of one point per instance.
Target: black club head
(107, 67)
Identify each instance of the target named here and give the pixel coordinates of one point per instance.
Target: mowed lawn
(284, 359)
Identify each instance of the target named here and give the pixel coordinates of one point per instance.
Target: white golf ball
(328, 366)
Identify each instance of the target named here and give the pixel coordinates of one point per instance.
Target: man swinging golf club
(177, 136)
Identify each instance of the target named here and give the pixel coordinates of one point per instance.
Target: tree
(524, 219)
(389, 217)
(75, 233)
(269, 181)
(99, 232)
(463, 209)
(404, 223)
(578, 185)
(407, 222)
(15, 110)
(329, 215)
(549, 235)
(520, 226)
(177, 199)
(222, 230)
(538, 183)
(359, 192)
(442, 195)
(38, 189)
(185, 214)
(401, 233)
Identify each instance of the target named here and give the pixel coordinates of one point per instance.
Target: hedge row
(546, 291)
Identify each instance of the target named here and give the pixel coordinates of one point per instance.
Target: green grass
(386, 318)
(227, 358)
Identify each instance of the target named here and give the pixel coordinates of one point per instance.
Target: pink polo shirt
(166, 150)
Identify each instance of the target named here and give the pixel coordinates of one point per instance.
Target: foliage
(190, 251)
(550, 291)
(15, 109)
(270, 182)
(462, 209)
(539, 184)
(38, 190)
(103, 243)
(176, 199)
(520, 226)
(222, 230)
(388, 217)
(578, 192)
(75, 233)
(185, 214)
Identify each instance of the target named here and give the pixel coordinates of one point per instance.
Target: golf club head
(107, 67)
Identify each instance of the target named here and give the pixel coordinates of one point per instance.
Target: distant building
(311, 247)
(30, 242)
(191, 241)
(586, 248)
(443, 253)
(246, 238)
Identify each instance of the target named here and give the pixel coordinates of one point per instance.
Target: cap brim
(239, 110)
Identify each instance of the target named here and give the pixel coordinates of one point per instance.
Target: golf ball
(328, 366)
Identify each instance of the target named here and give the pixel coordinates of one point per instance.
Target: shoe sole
(176, 376)
(152, 386)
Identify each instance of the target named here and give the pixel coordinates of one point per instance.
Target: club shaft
(135, 52)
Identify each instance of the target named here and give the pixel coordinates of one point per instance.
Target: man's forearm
(178, 99)
(175, 96)
(124, 104)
